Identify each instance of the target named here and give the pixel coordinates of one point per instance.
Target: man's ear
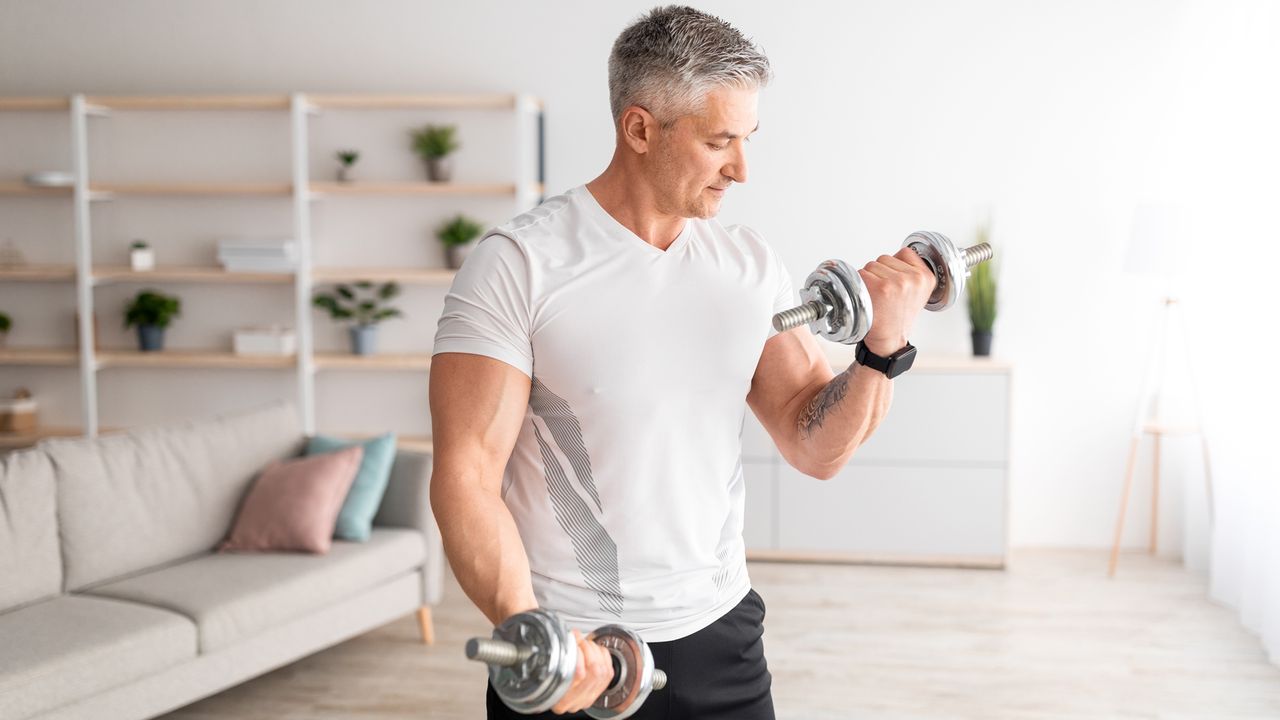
(637, 126)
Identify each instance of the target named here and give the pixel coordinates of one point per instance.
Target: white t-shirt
(625, 480)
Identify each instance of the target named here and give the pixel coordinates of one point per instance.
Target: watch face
(902, 360)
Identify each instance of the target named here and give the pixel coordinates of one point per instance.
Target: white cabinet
(930, 487)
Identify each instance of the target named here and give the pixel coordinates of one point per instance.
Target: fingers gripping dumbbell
(838, 307)
(532, 657)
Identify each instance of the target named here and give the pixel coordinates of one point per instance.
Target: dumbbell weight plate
(538, 683)
(837, 286)
(948, 265)
(634, 680)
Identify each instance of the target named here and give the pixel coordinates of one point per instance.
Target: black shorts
(716, 673)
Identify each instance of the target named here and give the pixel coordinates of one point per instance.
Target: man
(591, 373)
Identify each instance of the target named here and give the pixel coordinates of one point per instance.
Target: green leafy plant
(151, 307)
(459, 231)
(138, 245)
(348, 157)
(436, 141)
(6, 322)
(981, 287)
(361, 301)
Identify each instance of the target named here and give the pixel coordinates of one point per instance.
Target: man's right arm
(477, 406)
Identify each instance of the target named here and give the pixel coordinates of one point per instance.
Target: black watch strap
(891, 366)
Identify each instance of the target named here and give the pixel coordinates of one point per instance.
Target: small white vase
(142, 259)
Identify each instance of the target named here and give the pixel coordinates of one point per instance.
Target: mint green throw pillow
(355, 520)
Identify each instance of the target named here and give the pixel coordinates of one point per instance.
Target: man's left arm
(817, 418)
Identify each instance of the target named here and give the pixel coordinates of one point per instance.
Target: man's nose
(737, 169)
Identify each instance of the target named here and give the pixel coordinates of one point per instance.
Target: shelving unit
(525, 191)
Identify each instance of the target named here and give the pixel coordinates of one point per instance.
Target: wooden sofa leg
(424, 622)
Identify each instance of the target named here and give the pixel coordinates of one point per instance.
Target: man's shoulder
(548, 218)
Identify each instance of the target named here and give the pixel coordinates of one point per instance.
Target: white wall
(885, 117)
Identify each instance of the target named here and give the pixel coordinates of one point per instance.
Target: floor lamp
(1155, 250)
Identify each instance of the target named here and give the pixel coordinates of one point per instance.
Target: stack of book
(245, 255)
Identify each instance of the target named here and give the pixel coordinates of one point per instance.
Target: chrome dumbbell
(837, 305)
(532, 657)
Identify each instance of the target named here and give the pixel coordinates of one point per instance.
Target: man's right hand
(592, 677)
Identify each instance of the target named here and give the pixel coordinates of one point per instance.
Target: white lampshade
(1158, 241)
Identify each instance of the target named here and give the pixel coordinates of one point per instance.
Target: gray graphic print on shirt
(593, 548)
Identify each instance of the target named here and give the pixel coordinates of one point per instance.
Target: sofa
(113, 603)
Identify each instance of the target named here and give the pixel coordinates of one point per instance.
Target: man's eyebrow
(730, 136)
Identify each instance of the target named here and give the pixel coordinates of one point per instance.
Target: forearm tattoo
(827, 398)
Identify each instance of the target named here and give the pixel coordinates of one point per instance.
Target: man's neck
(633, 204)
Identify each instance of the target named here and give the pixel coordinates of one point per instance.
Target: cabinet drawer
(944, 417)
(894, 511)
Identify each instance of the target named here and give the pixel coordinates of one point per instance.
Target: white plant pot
(142, 259)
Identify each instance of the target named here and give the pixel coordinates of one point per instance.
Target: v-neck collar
(681, 240)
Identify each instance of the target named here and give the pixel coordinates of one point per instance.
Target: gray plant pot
(981, 342)
(346, 173)
(150, 338)
(455, 254)
(440, 169)
(364, 339)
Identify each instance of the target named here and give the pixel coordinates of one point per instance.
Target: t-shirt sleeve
(486, 311)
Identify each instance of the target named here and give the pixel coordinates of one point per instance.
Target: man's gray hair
(669, 59)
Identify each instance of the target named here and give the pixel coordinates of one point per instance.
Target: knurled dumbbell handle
(501, 652)
(979, 253)
(497, 652)
(797, 316)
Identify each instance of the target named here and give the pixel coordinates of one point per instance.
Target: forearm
(485, 551)
(841, 416)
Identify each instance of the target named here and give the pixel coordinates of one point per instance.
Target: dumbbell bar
(532, 658)
(838, 307)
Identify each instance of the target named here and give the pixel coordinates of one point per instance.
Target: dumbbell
(532, 657)
(838, 307)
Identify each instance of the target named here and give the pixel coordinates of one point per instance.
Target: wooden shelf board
(38, 273)
(189, 102)
(35, 103)
(188, 274)
(190, 189)
(39, 356)
(411, 188)
(417, 276)
(12, 441)
(382, 361)
(21, 188)
(412, 102)
(193, 359)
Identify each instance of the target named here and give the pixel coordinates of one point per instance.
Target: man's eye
(713, 146)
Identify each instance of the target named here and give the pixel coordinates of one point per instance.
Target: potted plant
(141, 256)
(346, 162)
(151, 311)
(981, 287)
(458, 235)
(346, 303)
(435, 143)
(6, 322)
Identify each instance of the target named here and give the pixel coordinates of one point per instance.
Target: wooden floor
(1050, 637)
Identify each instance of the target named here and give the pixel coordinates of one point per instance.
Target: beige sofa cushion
(30, 567)
(155, 495)
(71, 647)
(233, 596)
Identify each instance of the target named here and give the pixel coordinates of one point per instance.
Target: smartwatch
(891, 366)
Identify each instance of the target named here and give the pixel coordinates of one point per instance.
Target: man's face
(700, 156)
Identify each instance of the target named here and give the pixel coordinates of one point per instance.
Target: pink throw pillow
(294, 504)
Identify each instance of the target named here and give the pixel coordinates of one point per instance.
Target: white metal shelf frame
(529, 191)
